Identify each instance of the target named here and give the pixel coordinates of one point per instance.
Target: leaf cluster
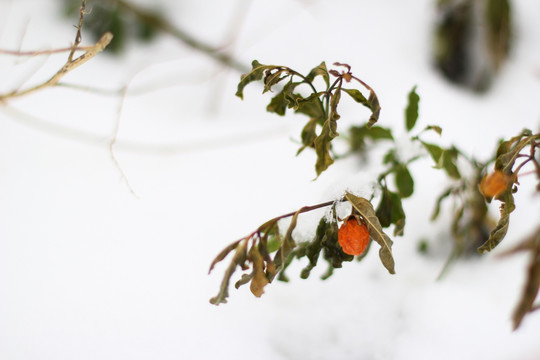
(507, 155)
(321, 106)
(267, 252)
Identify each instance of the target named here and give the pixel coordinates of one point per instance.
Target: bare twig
(44, 52)
(69, 66)
(78, 36)
(112, 143)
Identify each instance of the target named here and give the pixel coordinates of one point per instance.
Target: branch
(69, 66)
(162, 24)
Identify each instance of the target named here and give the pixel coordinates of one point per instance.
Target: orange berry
(493, 184)
(353, 236)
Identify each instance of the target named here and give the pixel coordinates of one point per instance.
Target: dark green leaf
(390, 157)
(411, 112)
(365, 209)
(390, 211)
(314, 248)
(332, 251)
(404, 181)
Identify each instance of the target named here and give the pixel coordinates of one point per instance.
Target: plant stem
(160, 23)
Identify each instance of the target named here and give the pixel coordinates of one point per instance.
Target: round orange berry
(353, 236)
(493, 184)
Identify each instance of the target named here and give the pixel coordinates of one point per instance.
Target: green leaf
(404, 181)
(256, 74)
(308, 135)
(390, 157)
(359, 134)
(357, 96)
(372, 103)
(278, 104)
(365, 209)
(379, 133)
(411, 112)
(314, 248)
(433, 150)
(444, 159)
(390, 211)
(320, 70)
(310, 106)
(449, 163)
(323, 146)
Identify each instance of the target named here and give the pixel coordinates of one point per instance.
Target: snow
(88, 270)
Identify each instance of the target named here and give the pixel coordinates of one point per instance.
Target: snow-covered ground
(89, 270)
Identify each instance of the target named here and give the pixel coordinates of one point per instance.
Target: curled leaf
(498, 234)
(238, 260)
(256, 74)
(320, 70)
(259, 280)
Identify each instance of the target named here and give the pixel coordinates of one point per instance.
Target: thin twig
(69, 66)
(78, 36)
(44, 52)
(112, 143)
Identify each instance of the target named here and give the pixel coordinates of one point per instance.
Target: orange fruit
(493, 184)
(353, 236)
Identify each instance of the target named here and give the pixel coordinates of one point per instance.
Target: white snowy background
(88, 270)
